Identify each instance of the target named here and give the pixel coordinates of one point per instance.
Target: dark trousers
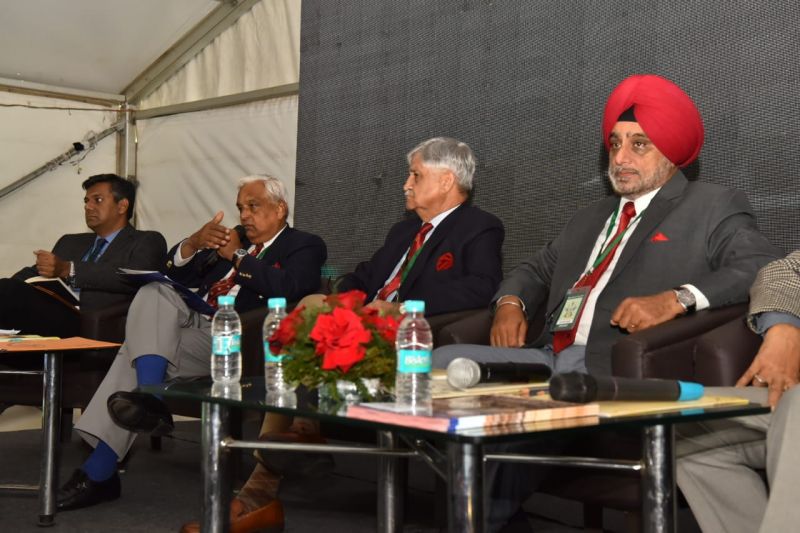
(33, 312)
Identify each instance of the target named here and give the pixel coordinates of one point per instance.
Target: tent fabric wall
(261, 50)
(189, 164)
(35, 215)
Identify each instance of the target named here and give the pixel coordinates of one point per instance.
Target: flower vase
(342, 392)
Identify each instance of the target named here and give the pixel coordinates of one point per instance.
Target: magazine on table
(56, 288)
(143, 277)
(454, 414)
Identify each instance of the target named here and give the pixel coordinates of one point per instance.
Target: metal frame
(463, 471)
(48, 466)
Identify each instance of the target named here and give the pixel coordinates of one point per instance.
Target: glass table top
(251, 394)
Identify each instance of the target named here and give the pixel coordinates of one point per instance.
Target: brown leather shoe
(268, 518)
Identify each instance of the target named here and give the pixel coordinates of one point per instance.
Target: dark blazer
(99, 282)
(708, 238)
(458, 268)
(291, 267)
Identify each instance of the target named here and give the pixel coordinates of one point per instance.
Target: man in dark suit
(662, 247)
(88, 262)
(458, 266)
(448, 255)
(166, 339)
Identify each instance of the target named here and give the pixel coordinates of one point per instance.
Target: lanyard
(611, 245)
(410, 263)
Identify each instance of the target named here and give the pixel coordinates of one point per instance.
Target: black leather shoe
(80, 491)
(140, 412)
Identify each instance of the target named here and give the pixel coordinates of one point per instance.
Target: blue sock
(150, 369)
(101, 463)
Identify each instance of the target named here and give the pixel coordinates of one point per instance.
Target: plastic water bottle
(273, 363)
(414, 344)
(226, 343)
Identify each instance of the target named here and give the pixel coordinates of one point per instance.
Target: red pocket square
(276, 265)
(445, 262)
(659, 237)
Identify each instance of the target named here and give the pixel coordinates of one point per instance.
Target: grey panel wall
(524, 83)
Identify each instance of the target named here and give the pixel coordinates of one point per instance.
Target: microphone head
(573, 387)
(463, 373)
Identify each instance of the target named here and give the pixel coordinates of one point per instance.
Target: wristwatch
(686, 299)
(238, 255)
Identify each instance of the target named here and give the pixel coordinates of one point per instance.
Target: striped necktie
(393, 284)
(222, 286)
(96, 249)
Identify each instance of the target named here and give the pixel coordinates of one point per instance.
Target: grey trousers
(719, 462)
(510, 484)
(160, 323)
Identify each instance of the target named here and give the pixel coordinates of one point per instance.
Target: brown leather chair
(688, 348)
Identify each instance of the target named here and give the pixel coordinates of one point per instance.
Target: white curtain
(261, 50)
(189, 164)
(35, 215)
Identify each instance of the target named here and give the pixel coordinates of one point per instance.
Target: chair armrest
(440, 322)
(472, 329)
(667, 350)
(106, 324)
(724, 353)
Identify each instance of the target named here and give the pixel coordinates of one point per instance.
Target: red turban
(666, 114)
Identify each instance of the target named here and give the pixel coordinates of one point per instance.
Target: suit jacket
(291, 267)
(458, 268)
(713, 243)
(99, 282)
(777, 288)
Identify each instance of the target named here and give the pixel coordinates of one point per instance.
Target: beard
(634, 184)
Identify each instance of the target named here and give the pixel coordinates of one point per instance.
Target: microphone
(583, 388)
(214, 257)
(463, 373)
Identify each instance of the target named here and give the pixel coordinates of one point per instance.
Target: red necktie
(393, 284)
(224, 285)
(562, 339)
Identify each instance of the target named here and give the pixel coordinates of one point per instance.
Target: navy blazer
(291, 267)
(458, 268)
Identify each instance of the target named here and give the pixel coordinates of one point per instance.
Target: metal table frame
(48, 465)
(461, 466)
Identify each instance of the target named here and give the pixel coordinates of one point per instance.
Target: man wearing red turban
(661, 247)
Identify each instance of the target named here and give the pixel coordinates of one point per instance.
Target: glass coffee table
(457, 457)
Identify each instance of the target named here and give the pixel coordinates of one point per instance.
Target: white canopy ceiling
(95, 45)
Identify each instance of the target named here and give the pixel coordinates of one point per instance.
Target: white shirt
(641, 203)
(435, 221)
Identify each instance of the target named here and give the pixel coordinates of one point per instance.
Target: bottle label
(269, 357)
(415, 361)
(226, 344)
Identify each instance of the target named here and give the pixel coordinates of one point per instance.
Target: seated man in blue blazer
(457, 267)
(165, 339)
(447, 254)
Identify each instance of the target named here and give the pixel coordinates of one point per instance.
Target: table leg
(392, 476)
(216, 476)
(51, 411)
(658, 479)
(465, 486)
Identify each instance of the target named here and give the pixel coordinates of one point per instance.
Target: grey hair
(449, 153)
(276, 190)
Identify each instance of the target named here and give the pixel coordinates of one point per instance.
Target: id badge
(571, 309)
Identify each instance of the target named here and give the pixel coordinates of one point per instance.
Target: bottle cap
(225, 300)
(276, 302)
(414, 306)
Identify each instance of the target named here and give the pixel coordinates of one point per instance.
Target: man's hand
(509, 326)
(50, 265)
(385, 307)
(777, 364)
(226, 251)
(642, 312)
(212, 235)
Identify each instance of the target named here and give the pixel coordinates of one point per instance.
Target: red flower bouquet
(340, 340)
